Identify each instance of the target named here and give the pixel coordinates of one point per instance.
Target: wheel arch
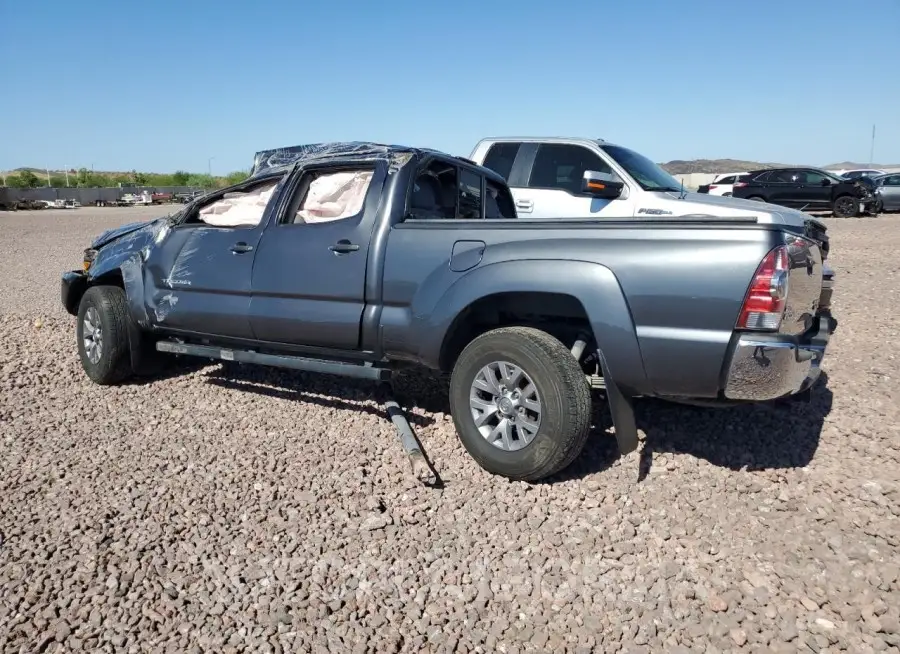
(583, 291)
(561, 314)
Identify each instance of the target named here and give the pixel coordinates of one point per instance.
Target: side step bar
(355, 370)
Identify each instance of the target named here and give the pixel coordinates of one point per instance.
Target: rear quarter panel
(662, 299)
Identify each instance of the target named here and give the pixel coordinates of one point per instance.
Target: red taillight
(712, 186)
(764, 304)
(739, 184)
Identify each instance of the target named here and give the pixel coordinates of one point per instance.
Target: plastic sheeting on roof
(396, 156)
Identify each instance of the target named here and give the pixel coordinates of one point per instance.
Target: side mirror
(601, 185)
(826, 182)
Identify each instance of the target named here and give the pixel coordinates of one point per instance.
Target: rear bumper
(72, 286)
(766, 368)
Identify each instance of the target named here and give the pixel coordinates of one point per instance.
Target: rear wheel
(520, 403)
(102, 332)
(757, 198)
(845, 207)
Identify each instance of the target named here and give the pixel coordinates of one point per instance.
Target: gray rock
(172, 513)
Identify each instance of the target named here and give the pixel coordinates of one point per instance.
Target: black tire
(757, 198)
(562, 390)
(727, 195)
(108, 303)
(845, 206)
(879, 208)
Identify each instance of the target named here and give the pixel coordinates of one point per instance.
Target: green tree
(159, 179)
(180, 178)
(29, 180)
(58, 181)
(138, 179)
(203, 181)
(15, 181)
(236, 177)
(83, 178)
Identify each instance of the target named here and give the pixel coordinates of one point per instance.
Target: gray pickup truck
(357, 259)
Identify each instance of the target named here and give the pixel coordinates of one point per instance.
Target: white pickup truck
(546, 174)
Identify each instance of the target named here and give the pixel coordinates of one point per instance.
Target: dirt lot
(254, 510)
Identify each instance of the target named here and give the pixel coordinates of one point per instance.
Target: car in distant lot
(887, 192)
(861, 172)
(812, 189)
(722, 184)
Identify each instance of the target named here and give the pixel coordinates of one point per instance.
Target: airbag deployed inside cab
(335, 196)
(238, 208)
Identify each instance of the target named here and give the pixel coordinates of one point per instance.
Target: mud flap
(621, 408)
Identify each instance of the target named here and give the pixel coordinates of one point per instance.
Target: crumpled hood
(116, 233)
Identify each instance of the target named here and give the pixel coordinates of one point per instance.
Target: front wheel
(102, 332)
(757, 198)
(845, 207)
(520, 403)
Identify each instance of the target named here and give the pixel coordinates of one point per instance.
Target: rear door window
(501, 157)
(725, 180)
(787, 177)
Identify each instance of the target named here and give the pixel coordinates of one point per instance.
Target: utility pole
(872, 149)
(209, 166)
(48, 178)
(67, 177)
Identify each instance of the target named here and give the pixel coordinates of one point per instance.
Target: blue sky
(166, 85)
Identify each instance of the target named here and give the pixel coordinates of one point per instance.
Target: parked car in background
(722, 184)
(189, 196)
(813, 189)
(161, 198)
(887, 192)
(861, 172)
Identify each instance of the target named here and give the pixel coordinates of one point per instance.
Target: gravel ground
(233, 510)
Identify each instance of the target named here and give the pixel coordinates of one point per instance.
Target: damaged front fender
(124, 257)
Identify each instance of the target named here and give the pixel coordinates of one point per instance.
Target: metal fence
(85, 195)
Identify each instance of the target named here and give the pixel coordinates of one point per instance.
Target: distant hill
(685, 167)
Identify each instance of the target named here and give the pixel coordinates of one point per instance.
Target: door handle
(343, 247)
(525, 205)
(241, 248)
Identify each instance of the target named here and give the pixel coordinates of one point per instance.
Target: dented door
(197, 279)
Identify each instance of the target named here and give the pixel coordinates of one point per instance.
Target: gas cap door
(465, 255)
